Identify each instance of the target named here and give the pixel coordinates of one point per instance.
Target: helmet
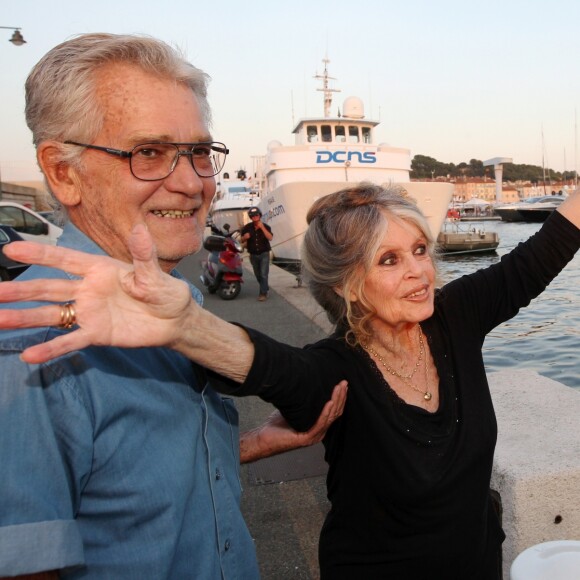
(254, 211)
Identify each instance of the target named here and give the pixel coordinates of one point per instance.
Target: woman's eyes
(388, 260)
(391, 259)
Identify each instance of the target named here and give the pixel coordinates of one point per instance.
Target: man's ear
(60, 176)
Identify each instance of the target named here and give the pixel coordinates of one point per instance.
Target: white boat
(541, 210)
(232, 200)
(330, 153)
(532, 209)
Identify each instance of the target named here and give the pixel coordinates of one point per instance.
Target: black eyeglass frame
(213, 145)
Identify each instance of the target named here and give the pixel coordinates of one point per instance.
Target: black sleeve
(298, 381)
(493, 295)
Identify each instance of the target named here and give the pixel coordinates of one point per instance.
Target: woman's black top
(409, 489)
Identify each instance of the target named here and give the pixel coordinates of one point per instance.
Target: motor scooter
(222, 271)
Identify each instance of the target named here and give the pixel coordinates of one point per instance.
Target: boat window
(326, 132)
(366, 134)
(353, 134)
(340, 134)
(312, 133)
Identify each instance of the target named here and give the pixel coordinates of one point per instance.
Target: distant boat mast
(543, 160)
(575, 151)
(326, 89)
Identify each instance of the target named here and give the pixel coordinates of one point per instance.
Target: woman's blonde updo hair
(344, 232)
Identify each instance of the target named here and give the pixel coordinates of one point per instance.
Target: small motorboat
(453, 239)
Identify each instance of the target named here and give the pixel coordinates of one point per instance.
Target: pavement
(284, 518)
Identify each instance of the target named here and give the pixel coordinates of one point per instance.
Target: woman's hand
(115, 303)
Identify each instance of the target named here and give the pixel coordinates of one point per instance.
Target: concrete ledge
(537, 461)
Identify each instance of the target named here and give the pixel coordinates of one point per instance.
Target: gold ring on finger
(68, 316)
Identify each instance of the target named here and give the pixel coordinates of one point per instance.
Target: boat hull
(471, 242)
(285, 209)
(535, 215)
(509, 215)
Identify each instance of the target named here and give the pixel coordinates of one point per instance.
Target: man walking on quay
(257, 236)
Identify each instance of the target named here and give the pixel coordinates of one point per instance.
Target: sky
(448, 79)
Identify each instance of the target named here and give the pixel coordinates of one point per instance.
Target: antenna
(564, 174)
(292, 105)
(371, 97)
(325, 88)
(575, 151)
(543, 160)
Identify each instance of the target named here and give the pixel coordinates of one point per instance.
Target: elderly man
(120, 463)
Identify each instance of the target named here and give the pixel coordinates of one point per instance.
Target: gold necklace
(407, 379)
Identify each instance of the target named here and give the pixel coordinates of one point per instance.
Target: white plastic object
(558, 560)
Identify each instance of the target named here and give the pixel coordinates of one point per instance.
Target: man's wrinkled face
(143, 108)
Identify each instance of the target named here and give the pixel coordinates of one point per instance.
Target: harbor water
(545, 336)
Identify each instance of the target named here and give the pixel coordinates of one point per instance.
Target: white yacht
(531, 209)
(232, 200)
(328, 154)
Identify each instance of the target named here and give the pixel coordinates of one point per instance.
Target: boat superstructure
(328, 154)
(232, 200)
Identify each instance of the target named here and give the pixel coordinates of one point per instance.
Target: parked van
(30, 225)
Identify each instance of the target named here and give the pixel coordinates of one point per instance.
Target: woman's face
(401, 282)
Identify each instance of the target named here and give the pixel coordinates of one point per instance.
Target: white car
(29, 224)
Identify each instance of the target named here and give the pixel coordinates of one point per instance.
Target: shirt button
(227, 545)
(218, 474)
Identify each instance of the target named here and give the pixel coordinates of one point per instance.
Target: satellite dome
(353, 108)
(274, 144)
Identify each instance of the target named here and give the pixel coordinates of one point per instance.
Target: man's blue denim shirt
(117, 463)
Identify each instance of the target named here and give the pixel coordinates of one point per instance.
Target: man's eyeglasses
(155, 161)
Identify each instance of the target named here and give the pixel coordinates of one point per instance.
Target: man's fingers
(55, 290)
(72, 261)
(339, 394)
(31, 317)
(141, 244)
(69, 342)
(144, 254)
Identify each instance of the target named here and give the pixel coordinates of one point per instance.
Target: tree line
(424, 167)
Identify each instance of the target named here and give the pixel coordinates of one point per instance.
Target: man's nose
(184, 176)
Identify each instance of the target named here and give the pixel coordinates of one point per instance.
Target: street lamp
(17, 38)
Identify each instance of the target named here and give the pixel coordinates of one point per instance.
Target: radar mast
(326, 89)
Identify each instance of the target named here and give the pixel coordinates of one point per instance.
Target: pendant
(427, 396)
